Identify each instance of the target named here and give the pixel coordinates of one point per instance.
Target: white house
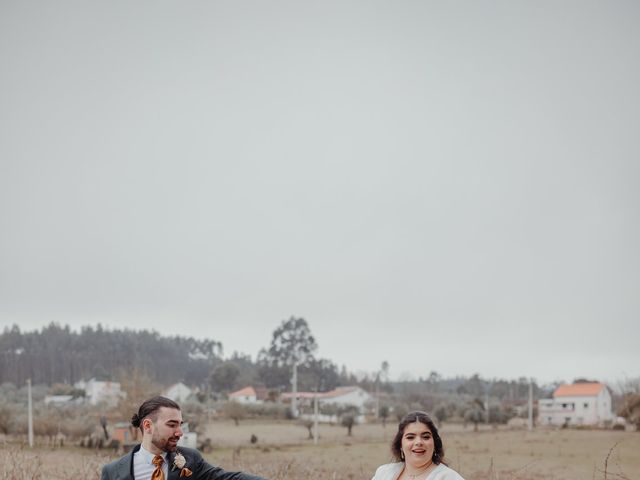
(245, 395)
(577, 404)
(97, 391)
(58, 399)
(345, 396)
(178, 392)
(340, 397)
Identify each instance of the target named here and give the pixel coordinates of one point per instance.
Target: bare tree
(235, 411)
(348, 420)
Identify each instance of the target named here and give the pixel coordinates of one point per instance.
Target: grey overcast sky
(447, 186)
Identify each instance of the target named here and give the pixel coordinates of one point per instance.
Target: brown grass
(23, 463)
(283, 452)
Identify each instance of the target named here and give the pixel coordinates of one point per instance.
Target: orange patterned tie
(157, 474)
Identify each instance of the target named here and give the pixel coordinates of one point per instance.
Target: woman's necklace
(415, 476)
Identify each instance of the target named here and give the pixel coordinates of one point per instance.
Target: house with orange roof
(244, 395)
(341, 397)
(348, 396)
(582, 403)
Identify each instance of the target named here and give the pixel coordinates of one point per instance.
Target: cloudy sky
(447, 186)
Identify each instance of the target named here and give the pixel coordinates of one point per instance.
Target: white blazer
(391, 471)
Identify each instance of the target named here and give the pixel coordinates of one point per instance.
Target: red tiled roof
(244, 392)
(337, 392)
(289, 395)
(578, 390)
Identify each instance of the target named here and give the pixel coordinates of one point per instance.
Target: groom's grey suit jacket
(122, 469)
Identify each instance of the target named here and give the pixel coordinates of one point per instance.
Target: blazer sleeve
(206, 471)
(105, 473)
(217, 473)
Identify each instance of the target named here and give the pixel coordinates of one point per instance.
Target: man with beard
(158, 457)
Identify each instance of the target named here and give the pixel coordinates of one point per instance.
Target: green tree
(292, 345)
(308, 424)
(273, 376)
(292, 342)
(475, 413)
(6, 419)
(498, 415)
(223, 377)
(433, 382)
(56, 354)
(630, 409)
(348, 420)
(440, 412)
(475, 386)
(384, 414)
(320, 374)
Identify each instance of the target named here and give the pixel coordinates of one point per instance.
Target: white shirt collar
(148, 456)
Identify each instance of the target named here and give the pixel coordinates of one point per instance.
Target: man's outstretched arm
(206, 471)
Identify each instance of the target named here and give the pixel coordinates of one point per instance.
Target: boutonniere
(179, 462)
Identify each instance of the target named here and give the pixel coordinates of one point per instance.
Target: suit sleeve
(105, 473)
(206, 471)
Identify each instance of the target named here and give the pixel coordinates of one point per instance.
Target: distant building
(343, 397)
(189, 439)
(577, 404)
(346, 396)
(97, 391)
(58, 399)
(126, 434)
(178, 392)
(245, 395)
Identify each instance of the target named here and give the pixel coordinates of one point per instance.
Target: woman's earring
(402, 454)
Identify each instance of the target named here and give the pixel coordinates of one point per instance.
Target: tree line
(58, 355)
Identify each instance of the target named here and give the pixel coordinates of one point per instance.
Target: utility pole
(530, 422)
(30, 414)
(315, 418)
(378, 397)
(486, 406)
(294, 398)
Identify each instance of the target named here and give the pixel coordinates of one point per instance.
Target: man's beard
(168, 445)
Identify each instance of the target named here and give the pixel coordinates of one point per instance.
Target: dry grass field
(487, 454)
(283, 452)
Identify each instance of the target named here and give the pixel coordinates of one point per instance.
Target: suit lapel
(174, 473)
(125, 465)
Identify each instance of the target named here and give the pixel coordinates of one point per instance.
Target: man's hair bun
(135, 420)
(149, 409)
